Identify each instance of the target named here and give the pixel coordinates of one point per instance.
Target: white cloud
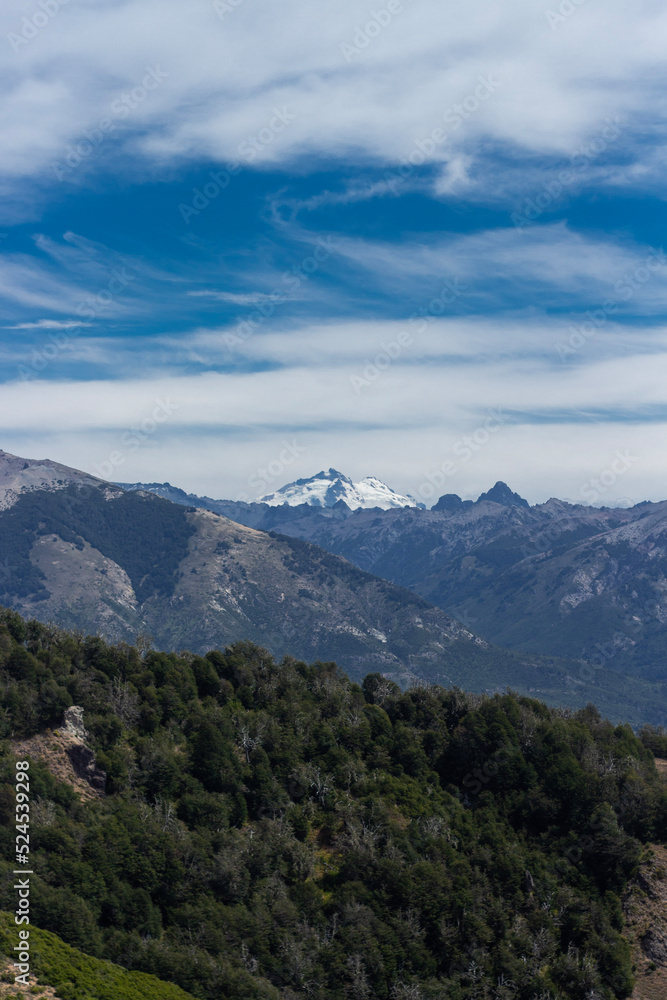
(80, 277)
(475, 342)
(558, 426)
(539, 462)
(490, 275)
(558, 265)
(224, 78)
(220, 83)
(49, 324)
(233, 298)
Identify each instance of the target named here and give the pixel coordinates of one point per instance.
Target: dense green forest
(112, 528)
(273, 831)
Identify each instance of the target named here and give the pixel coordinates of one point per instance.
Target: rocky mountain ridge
(104, 560)
(555, 578)
(99, 559)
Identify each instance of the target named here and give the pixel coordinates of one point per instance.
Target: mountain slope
(135, 563)
(645, 907)
(24, 475)
(130, 562)
(272, 831)
(558, 578)
(100, 559)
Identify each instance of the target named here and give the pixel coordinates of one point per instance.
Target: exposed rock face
(66, 755)
(73, 722)
(83, 762)
(82, 757)
(654, 946)
(20, 475)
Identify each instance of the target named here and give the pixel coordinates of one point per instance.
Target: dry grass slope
(8, 988)
(646, 914)
(51, 748)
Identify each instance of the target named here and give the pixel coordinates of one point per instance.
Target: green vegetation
(305, 561)
(79, 977)
(274, 831)
(201, 583)
(655, 738)
(147, 538)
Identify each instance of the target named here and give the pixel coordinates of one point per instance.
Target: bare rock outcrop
(65, 753)
(73, 722)
(83, 762)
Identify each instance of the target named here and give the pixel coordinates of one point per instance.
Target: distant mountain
(92, 556)
(98, 558)
(173, 493)
(24, 475)
(451, 501)
(328, 488)
(557, 578)
(502, 494)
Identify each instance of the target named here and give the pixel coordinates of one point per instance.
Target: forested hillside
(272, 831)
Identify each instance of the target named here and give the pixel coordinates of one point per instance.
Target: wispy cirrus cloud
(505, 272)
(546, 267)
(233, 298)
(224, 80)
(410, 148)
(50, 324)
(553, 433)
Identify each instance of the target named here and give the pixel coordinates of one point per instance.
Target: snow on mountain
(327, 488)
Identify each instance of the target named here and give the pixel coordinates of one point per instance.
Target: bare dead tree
(124, 702)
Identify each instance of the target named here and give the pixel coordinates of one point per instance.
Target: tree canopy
(273, 831)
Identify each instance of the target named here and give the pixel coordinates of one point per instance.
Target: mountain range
(89, 555)
(94, 557)
(557, 578)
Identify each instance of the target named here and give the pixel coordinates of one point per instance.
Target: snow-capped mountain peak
(327, 488)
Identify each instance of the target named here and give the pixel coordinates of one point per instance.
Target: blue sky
(374, 232)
